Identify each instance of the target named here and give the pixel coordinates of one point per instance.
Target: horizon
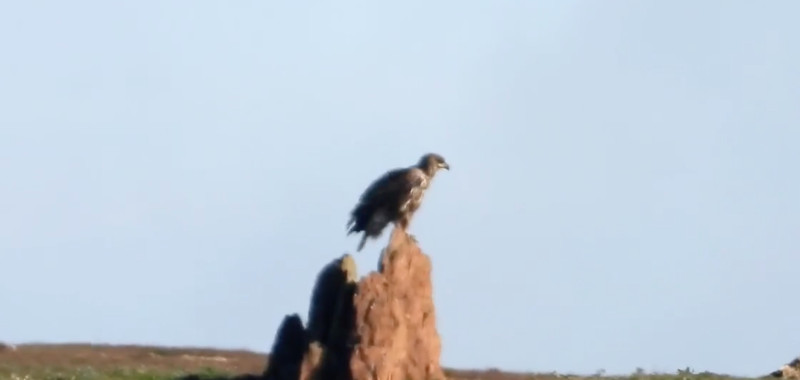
(599, 372)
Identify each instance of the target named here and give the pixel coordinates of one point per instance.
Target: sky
(623, 190)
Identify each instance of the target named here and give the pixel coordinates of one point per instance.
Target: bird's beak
(445, 166)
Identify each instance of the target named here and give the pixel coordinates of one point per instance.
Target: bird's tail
(361, 243)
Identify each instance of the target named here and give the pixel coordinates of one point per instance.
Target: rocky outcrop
(379, 328)
(789, 371)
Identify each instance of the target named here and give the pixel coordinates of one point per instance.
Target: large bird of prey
(394, 198)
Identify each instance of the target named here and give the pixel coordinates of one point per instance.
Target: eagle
(393, 198)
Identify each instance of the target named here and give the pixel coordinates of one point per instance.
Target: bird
(394, 198)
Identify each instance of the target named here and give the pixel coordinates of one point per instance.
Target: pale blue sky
(623, 192)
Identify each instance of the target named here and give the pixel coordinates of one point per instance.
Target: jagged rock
(331, 296)
(395, 317)
(288, 350)
(382, 327)
(789, 371)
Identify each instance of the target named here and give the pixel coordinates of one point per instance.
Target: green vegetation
(9, 372)
(88, 373)
(101, 362)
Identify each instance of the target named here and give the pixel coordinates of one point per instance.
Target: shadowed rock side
(382, 327)
(289, 349)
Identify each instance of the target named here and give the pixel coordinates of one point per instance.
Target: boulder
(380, 327)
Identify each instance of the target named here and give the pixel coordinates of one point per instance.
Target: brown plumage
(394, 198)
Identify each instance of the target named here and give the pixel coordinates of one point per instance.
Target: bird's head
(432, 162)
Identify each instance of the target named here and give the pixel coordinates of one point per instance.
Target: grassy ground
(101, 362)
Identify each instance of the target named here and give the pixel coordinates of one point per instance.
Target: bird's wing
(393, 183)
(391, 189)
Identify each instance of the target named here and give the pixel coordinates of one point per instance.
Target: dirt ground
(106, 358)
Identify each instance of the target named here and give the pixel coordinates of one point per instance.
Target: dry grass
(88, 361)
(104, 362)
